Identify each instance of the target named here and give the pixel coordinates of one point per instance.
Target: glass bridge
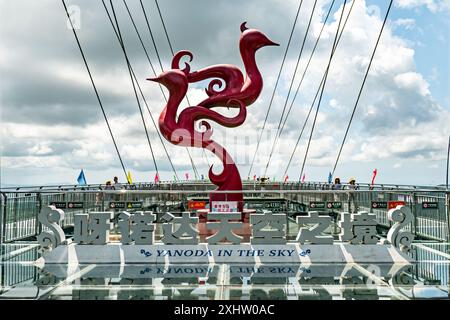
(21, 277)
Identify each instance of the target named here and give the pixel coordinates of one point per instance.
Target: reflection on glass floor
(426, 279)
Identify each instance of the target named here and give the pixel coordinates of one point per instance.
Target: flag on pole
(254, 177)
(174, 178)
(203, 177)
(156, 178)
(330, 177)
(374, 175)
(81, 179)
(129, 179)
(187, 176)
(286, 179)
(303, 178)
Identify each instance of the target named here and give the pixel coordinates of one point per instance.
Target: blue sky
(430, 35)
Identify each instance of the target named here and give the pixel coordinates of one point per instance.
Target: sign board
(379, 204)
(58, 205)
(117, 205)
(224, 206)
(75, 205)
(272, 204)
(334, 205)
(317, 205)
(134, 205)
(137, 230)
(394, 204)
(196, 205)
(430, 205)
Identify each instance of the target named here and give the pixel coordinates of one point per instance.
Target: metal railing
(202, 184)
(19, 209)
(12, 270)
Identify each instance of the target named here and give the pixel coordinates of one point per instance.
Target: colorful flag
(286, 179)
(81, 179)
(203, 177)
(174, 178)
(303, 178)
(187, 176)
(156, 177)
(129, 179)
(374, 175)
(330, 177)
(254, 177)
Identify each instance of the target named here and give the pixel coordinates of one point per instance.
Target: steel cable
(95, 89)
(322, 90)
(317, 93)
(362, 87)
(187, 98)
(277, 135)
(275, 87)
(122, 44)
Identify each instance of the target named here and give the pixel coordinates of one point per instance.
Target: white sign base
(292, 253)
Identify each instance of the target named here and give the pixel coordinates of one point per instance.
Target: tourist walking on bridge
(336, 186)
(117, 184)
(351, 195)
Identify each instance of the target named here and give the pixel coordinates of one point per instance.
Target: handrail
(203, 182)
(245, 191)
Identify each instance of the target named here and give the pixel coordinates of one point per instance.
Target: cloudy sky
(51, 125)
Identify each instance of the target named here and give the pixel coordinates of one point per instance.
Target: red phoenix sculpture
(237, 93)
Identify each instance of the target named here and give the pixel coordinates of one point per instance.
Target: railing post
(414, 211)
(447, 213)
(38, 226)
(3, 218)
(14, 222)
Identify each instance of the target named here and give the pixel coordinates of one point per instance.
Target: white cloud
(407, 23)
(412, 81)
(432, 5)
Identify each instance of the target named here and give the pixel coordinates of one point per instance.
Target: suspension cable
(141, 93)
(322, 90)
(275, 87)
(309, 62)
(316, 95)
(151, 36)
(144, 48)
(138, 85)
(122, 44)
(95, 89)
(187, 98)
(362, 87)
(278, 133)
(160, 86)
(162, 68)
(165, 29)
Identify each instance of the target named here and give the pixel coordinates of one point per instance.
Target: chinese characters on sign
(224, 206)
(266, 228)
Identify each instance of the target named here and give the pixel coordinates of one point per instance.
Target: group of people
(337, 185)
(110, 186)
(116, 186)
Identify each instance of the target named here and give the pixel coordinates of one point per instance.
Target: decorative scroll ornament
(50, 217)
(237, 92)
(402, 216)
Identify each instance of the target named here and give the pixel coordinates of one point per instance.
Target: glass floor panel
(428, 278)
